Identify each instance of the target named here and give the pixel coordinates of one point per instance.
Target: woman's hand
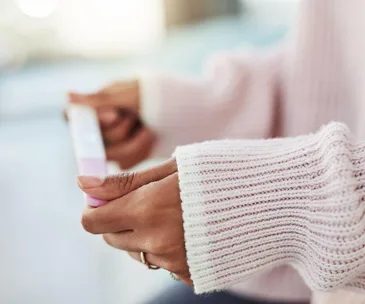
(143, 215)
(127, 141)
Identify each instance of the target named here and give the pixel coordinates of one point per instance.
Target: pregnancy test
(88, 145)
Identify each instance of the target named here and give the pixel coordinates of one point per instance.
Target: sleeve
(235, 98)
(252, 205)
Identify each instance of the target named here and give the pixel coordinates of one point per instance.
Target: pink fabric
(316, 77)
(93, 167)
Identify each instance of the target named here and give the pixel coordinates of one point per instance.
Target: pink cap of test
(93, 167)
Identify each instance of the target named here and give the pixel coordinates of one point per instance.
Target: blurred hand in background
(127, 141)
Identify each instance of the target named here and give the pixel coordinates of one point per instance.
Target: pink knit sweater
(275, 215)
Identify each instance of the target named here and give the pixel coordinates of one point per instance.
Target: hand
(127, 141)
(143, 215)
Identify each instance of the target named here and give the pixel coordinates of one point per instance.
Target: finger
(136, 149)
(150, 258)
(139, 141)
(126, 241)
(119, 94)
(108, 117)
(116, 216)
(163, 263)
(120, 131)
(116, 186)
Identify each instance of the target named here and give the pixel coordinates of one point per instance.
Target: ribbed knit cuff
(249, 206)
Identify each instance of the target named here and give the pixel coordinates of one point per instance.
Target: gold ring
(174, 277)
(144, 261)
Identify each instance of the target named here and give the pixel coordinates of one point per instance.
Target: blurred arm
(235, 99)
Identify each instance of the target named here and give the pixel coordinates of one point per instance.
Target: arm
(235, 99)
(249, 206)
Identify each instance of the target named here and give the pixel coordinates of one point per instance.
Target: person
(265, 193)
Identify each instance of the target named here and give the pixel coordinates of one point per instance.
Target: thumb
(116, 186)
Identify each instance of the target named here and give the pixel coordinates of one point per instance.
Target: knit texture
(253, 205)
(308, 217)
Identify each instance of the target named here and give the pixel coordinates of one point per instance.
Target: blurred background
(48, 47)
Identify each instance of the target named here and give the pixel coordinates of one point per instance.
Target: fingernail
(87, 182)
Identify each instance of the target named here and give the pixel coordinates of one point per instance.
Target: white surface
(45, 256)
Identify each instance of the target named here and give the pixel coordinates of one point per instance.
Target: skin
(144, 212)
(127, 141)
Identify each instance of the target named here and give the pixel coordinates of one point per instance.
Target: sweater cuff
(232, 228)
(250, 206)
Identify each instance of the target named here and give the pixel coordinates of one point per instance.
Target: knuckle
(111, 181)
(126, 181)
(123, 181)
(88, 222)
(85, 221)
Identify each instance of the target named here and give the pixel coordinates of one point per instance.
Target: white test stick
(88, 145)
